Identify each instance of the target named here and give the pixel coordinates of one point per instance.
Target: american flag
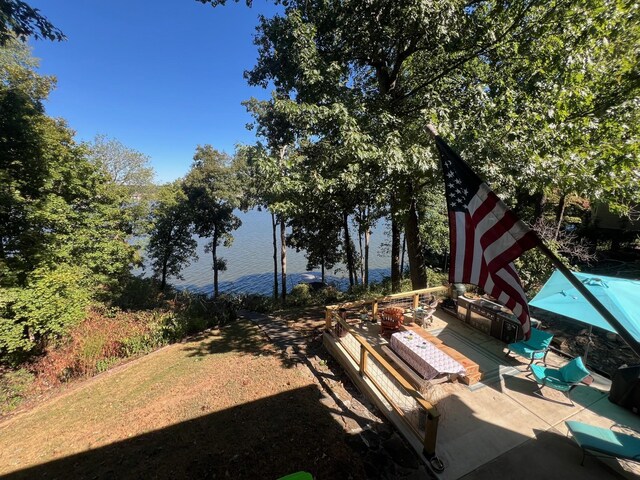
(485, 236)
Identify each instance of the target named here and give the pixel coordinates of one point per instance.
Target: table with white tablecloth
(424, 357)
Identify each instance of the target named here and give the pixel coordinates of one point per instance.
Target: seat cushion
(550, 377)
(534, 347)
(525, 351)
(574, 371)
(604, 440)
(539, 340)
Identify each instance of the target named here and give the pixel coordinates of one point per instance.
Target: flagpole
(595, 303)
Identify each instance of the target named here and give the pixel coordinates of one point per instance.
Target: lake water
(250, 261)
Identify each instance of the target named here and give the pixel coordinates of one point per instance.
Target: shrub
(93, 345)
(300, 295)
(258, 303)
(140, 293)
(108, 335)
(53, 301)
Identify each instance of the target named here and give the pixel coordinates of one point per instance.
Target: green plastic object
(297, 476)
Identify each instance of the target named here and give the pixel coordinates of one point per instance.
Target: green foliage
(300, 295)
(63, 226)
(129, 177)
(19, 20)
(171, 243)
(213, 192)
(105, 364)
(122, 165)
(53, 301)
(535, 268)
(139, 293)
(540, 97)
(258, 303)
(107, 336)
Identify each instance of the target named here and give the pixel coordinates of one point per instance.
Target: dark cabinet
(510, 332)
(489, 318)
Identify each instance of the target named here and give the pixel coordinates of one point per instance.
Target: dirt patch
(221, 406)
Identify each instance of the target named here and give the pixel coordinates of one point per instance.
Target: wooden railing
(416, 412)
(410, 299)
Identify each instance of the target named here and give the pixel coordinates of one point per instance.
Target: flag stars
(451, 185)
(458, 181)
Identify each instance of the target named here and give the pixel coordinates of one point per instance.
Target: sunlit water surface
(250, 261)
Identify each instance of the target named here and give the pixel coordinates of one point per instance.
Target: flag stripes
(485, 236)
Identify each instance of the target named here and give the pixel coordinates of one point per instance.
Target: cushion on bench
(604, 440)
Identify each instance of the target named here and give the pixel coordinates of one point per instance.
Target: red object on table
(391, 319)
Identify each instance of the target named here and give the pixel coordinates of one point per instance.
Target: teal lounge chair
(604, 442)
(536, 348)
(564, 379)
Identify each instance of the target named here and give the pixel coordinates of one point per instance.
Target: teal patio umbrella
(619, 295)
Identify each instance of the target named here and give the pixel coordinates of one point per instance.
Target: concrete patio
(499, 428)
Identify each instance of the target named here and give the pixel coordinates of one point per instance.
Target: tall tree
(124, 166)
(213, 193)
(367, 76)
(131, 176)
(272, 164)
(62, 240)
(171, 243)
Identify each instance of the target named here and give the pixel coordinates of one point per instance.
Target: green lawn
(222, 406)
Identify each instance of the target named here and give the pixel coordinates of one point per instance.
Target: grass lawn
(220, 406)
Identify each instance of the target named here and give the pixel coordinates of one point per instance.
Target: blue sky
(160, 76)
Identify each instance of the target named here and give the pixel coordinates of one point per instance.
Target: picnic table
(424, 357)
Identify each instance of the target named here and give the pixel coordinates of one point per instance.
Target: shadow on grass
(267, 438)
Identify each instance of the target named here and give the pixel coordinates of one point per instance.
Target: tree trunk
(163, 281)
(361, 254)
(322, 271)
(404, 249)
(214, 255)
(283, 259)
(560, 214)
(367, 241)
(347, 247)
(540, 200)
(275, 256)
(395, 252)
(417, 264)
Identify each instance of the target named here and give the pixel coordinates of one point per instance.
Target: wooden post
(374, 309)
(431, 432)
(363, 361)
(327, 318)
(416, 300)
